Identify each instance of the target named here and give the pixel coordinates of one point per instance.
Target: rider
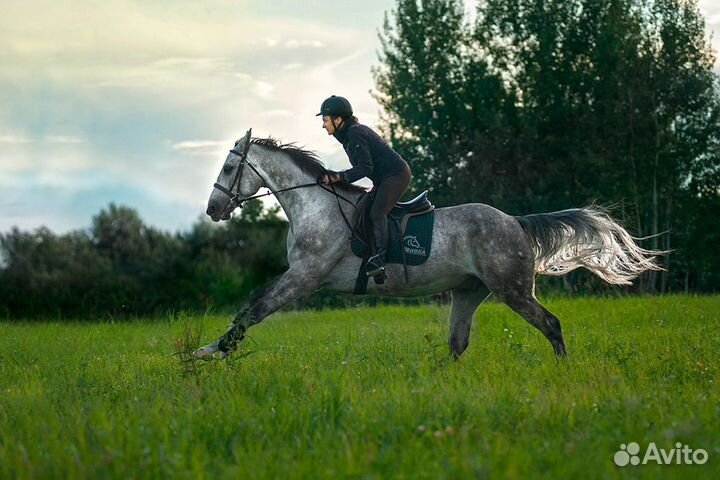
(370, 157)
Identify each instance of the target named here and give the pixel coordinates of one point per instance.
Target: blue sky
(136, 102)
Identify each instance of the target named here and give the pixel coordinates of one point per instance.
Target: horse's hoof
(207, 352)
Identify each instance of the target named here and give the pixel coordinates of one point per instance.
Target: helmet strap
(332, 119)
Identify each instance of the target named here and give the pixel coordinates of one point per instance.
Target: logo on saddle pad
(412, 246)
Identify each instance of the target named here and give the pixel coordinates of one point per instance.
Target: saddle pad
(415, 243)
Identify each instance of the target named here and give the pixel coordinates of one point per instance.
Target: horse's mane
(307, 160)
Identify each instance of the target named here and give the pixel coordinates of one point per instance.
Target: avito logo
(680, 455)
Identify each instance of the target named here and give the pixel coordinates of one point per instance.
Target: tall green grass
(365, 393)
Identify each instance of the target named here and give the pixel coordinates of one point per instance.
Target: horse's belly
(426, 279)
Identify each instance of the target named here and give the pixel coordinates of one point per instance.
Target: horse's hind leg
(540, 317)
(465, 301)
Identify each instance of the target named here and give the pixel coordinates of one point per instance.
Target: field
(365, 393)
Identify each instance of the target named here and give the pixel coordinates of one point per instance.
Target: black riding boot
(376, 263)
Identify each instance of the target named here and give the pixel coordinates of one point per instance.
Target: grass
(365, 393)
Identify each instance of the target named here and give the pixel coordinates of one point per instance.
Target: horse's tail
(586, 237)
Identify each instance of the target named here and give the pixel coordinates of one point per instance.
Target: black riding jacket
(369, 155)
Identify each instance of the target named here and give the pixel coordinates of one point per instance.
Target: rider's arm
(359, 153)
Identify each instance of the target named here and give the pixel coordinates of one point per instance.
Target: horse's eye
(227, 168)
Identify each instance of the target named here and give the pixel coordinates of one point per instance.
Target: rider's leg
(390, 190)
(376, 263)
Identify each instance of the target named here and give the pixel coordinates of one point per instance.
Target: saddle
(410, 226)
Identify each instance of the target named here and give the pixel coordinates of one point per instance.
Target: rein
(238, 201)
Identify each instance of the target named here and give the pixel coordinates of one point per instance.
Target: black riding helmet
(335, 106)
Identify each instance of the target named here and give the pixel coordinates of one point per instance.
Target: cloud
(342, 60)
(12, 139)
(18, 140)
(271, 41)
(201, 147)
(67, 139)
(293, 43)
(263, 89)
(52, 158)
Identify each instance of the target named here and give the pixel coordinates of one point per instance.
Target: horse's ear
(248, 135)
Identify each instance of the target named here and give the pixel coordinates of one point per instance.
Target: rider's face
(329, 123)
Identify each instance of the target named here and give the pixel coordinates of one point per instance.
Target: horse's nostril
(211, 210)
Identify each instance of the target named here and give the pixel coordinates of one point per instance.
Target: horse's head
(238, 179)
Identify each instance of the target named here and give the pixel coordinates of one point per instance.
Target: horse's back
(477, 216)
(482, 231)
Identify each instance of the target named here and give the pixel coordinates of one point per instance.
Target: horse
(477, 250)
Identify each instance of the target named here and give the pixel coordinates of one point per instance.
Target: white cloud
(18, 139)
(67, 139)
(202, 147)
(271, 41)
(263, 89)
(292, 66)
(293, 43)
(342, 60)
(12, 139)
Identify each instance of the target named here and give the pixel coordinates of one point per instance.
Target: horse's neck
(302, 205)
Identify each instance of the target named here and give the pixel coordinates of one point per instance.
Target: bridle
(237, 201)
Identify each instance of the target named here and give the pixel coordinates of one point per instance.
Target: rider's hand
(330, 178)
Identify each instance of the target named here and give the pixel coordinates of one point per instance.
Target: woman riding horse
(370, 157)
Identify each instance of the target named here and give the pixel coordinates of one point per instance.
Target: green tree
(48, 274)
(421, 86)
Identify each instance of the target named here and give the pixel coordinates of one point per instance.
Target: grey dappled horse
(476, 249)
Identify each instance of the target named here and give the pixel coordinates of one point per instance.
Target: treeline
(544, 105)
(122, 267)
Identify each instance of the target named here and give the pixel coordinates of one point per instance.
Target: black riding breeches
(387, 194)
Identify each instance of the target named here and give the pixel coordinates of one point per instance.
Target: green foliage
(50, 274)
(123, 267)
(365, 393)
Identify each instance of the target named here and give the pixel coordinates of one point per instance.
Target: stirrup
(376, 267)
(378, 275)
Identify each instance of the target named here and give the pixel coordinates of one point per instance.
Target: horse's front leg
(262, 302)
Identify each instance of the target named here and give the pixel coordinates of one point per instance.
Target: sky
(137, 102)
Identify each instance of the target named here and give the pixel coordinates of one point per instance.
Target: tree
(422, 87)
(49, 274)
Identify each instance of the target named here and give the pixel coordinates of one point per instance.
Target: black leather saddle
(416, 205)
